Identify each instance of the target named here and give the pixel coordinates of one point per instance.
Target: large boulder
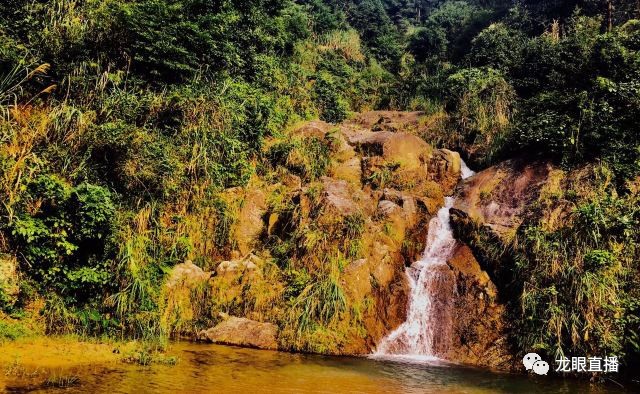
(314, 129)
(243, 332)
(407, 151)
(186, 274)
(340, 197)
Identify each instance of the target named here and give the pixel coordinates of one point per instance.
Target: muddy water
(206, 368)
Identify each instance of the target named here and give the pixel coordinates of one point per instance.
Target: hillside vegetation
(125, 126)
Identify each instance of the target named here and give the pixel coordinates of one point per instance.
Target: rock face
(490, 208)
(497, 196)
(250, 205)
(407, 151)
(243, 332)
(479, 336)
(447, 168)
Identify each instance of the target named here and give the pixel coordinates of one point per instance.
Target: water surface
(204, 368)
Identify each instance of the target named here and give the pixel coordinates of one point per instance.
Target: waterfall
(427, 331)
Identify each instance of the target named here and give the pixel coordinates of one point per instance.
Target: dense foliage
(121, 121)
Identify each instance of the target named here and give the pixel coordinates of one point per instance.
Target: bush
(331, 105)
(481, 105)
(61, 234)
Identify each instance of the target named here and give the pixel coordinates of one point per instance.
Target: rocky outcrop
(233, 268)
(447, 167)
(249, 206)
(479, 335)
(340, 197)
(186, 274)
(488, 213)
(243, 332)
(390, 121)
(497, 197)
(407, 151)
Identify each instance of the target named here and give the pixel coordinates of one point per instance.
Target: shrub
(331, 105)
(61, 234)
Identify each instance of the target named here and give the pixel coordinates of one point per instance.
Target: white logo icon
(541, 367)
(531, 359)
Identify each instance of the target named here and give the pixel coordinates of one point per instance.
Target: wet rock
(243, 332)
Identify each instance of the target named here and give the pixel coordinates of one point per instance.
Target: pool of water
(206, 368)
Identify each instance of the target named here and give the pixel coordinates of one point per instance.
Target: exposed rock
(239, 266)
(479, 336)
(405, 150)
(343, 151)
(243, 332)
(357, 279)
(186, 274)
(445, 169)
(388, 208)
(314, 129)
(339, 196)
(363, 163)
(250, 223)
(497, 196)
(393, 195)
(389, 120)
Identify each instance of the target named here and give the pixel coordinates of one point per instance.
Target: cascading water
(427, 331)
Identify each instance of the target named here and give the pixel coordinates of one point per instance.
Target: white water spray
(426, 334)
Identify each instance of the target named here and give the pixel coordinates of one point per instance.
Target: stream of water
(426, 334)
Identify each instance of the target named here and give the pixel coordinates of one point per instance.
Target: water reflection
(212, 369)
